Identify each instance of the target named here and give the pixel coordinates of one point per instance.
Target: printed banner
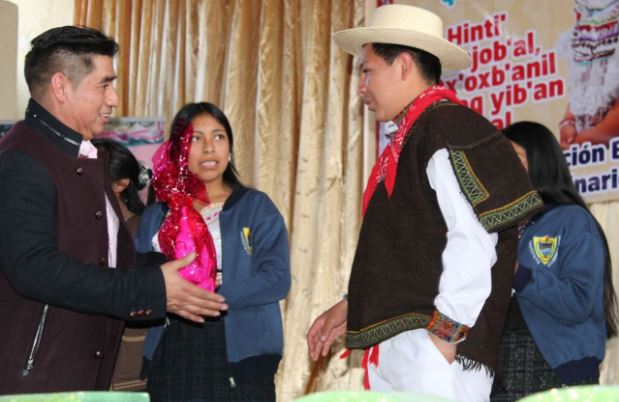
(554, 62)
(142, 135)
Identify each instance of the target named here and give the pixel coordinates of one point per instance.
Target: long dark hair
(551, 177)
(123, 165)
(184, 117)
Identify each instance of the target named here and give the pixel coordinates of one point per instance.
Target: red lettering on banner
(476, 103)
(523, 47)
(495, 53)
(544, 66)
(502, 122)
(463, 33)
(548, 90)
(506, 72)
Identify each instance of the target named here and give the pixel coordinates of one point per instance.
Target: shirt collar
(64, 137)
(88, 150)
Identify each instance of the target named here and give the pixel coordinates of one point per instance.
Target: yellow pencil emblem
(246, 240)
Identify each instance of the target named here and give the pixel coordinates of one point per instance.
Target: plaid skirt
(523, 370)
(191, 364)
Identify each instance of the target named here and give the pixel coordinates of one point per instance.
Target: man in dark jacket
(60, 231)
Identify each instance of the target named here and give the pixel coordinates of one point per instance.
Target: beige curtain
(290, 95)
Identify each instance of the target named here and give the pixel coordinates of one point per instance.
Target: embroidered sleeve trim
(447, 329)
(511, 213)
(469, 182)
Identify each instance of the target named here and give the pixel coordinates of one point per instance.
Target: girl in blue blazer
(564, 307)
(232, 357)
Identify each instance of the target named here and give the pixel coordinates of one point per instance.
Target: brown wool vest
(77, 351)
(397, 265)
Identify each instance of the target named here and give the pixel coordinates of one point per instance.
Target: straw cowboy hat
(409, 26)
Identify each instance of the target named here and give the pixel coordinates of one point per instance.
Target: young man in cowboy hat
(431, 278)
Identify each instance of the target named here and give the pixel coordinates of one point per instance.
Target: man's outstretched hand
(186, 299)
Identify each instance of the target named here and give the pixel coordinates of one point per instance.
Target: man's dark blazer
(54, 251)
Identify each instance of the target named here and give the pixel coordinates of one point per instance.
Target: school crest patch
(545, 249)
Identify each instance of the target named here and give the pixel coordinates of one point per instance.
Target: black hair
(67, 49)
(123, 165)
(184, 117)
(428, 64)
(551, 177)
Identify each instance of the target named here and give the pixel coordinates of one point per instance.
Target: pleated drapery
(290, 95)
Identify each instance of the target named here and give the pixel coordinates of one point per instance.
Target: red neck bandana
(387, 164)
(184, 230)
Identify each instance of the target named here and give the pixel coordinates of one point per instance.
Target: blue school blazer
(256, 272)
